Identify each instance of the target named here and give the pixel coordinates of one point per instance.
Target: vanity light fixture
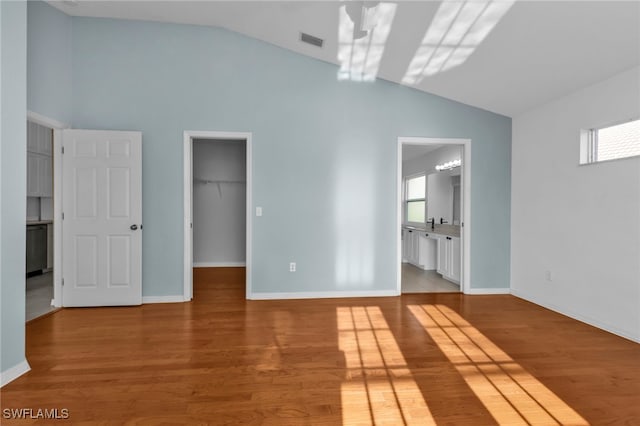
(448, 165)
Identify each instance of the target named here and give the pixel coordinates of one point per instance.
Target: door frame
(57, 126)
(189, 136)
(465, 229)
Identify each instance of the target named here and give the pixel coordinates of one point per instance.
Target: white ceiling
(538, 51)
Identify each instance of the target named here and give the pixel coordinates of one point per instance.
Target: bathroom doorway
(433, 209)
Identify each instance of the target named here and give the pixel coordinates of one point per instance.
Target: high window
(610, 143)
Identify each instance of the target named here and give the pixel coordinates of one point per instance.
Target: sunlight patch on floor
(510, 394)
(378, 381)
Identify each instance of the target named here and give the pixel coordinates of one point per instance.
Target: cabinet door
(413, 249)
(33, 181)
(428, 250)
(405, 245)
(44, 140)
(32, 136)
(442, 256)
(45, 176)
(454, 259)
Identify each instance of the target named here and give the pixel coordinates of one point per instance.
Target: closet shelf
(207, 181)
(218, 183)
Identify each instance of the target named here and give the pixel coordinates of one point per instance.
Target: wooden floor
(444, 359)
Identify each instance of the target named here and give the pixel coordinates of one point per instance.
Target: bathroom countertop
(448, 230)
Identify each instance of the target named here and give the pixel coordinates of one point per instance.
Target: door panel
(119, 192)
(86, 255)
(102, 200)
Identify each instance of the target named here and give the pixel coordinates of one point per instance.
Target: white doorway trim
(465, 230)
(189, 136)
(57, 200)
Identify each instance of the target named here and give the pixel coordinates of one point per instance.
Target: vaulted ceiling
(502, 56)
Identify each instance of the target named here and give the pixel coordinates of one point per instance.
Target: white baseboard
(488, 291)
(162, 299)
(218, 264)
(323, 294)
(576, 316)
(14, 372)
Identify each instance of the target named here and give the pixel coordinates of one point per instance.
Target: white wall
(13, 187)
(219, 213)
(581, 223)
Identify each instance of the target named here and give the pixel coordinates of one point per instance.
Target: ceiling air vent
(307, 38)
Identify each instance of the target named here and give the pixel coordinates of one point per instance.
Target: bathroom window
(415, 200)
(610, 143)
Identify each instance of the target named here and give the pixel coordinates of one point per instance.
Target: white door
(102, 218)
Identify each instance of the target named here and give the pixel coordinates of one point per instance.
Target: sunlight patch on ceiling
(362, 34)
(457, 29)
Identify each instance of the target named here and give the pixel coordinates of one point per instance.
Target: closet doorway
(217, 206)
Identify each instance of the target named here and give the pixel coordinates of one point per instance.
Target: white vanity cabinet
(449, 264)
(418, 248)
(411, 246)
(428, 250)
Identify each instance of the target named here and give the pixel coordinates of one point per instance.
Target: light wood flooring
(416, 280)
(445, 359)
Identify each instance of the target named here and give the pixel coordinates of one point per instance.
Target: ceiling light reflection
(362, 40)
(457, 29)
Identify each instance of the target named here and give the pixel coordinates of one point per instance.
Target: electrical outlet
(547, 276)
(258, 211)
(292, 267)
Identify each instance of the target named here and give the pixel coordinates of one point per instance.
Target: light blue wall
(324, 151)
(49, 77)
(13, 178)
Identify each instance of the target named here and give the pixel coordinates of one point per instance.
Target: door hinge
(63, 282)
(62, 215)
(63, 149)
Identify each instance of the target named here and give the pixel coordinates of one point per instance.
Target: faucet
(433, 223)
(442, 221)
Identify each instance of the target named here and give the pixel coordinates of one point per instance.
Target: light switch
(258, 211)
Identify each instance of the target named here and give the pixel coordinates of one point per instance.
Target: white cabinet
(39, 175)
(418, 249)
(39, 161)
(45, 170)
(32, 136)
(449, 258)
(39, 139)
(428, 247)
(33, 181)
(455, 266)
(410, 245)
